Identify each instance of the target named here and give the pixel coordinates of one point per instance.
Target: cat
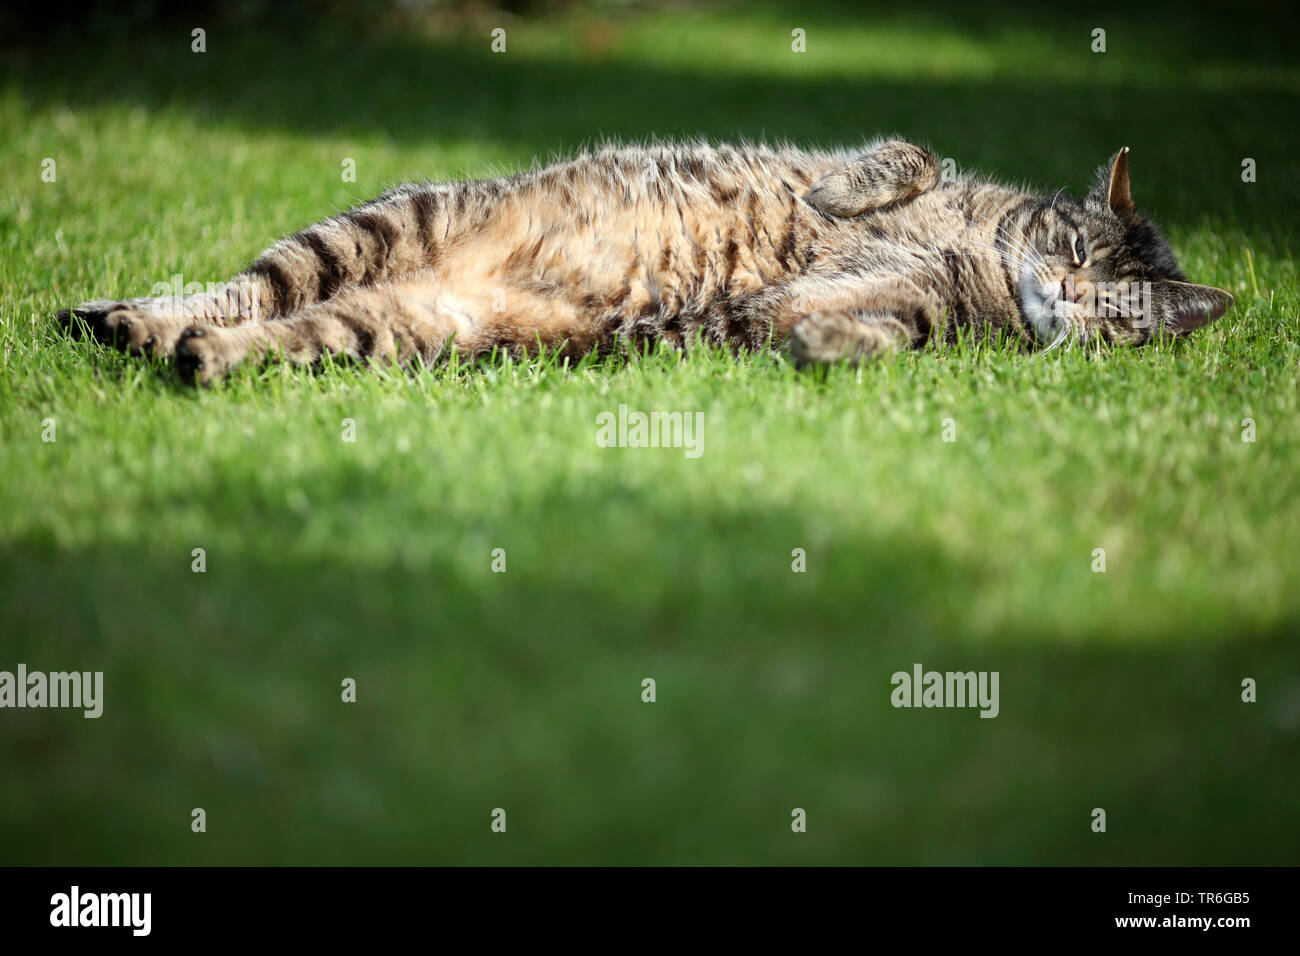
(835, 255)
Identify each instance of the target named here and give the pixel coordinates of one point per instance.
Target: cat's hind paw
(138, 328)
(88, 319)
(205, 354)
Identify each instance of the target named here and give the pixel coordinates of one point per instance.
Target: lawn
(373, 559)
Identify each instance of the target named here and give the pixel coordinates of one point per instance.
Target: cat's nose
(1073, 288)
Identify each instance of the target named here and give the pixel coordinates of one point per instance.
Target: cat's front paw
(836, 195)
(824, 337)
(894, 172)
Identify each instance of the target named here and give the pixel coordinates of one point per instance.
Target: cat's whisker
(1061, 336)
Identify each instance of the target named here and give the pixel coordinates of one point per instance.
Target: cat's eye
(1078, 249)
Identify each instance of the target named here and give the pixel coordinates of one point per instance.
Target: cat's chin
(1039, 306)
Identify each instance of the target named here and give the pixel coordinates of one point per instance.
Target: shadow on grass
(523, 691)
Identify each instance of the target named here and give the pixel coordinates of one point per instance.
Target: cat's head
(1094, 270)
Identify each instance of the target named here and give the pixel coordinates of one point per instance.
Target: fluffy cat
(843, 256)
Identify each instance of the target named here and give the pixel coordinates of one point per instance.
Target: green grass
(521, 690)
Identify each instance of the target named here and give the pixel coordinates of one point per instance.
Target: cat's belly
(612, 262)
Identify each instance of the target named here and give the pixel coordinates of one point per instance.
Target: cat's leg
(152, 326)
(396, 235)
(389, 324)
(846, 335)
(842, 316)
(394, 324)
(893, 172)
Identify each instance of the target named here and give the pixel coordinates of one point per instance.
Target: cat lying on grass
(839, 256)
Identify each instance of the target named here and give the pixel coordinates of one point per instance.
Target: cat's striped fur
(842, 254)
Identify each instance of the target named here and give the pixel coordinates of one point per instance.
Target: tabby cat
(843, 256)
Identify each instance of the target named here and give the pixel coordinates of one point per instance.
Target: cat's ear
(1113, 186)
(1184, 306)
(1118, 195)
